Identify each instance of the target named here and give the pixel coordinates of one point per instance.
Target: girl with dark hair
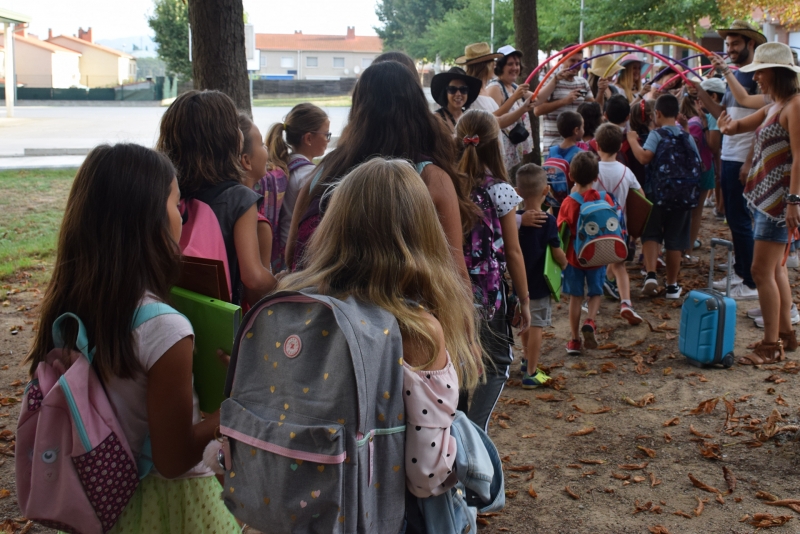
(117, 251)
(491, 244)
(592, 119)
(389, 118)
(200, 134)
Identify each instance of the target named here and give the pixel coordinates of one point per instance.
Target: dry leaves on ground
(769, 520)
(703, 486)
(707, 406)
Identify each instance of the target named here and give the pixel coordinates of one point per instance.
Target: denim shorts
(541, 312)
(765, 229)
(577, 282)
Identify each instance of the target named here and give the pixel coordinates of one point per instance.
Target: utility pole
(491, 37)
(580, 39)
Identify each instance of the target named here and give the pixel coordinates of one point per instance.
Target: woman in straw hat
(772, 192)
(479, 63)
(600, 77)
(455, 92)
(629, 80)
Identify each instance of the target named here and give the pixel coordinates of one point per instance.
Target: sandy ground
(631, 473)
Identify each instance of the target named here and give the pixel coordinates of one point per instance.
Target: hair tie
(284, 127)
(474, 140)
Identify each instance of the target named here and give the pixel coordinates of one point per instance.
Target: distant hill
(137, 46)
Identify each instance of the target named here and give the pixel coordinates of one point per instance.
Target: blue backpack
(673, 175)
(557, 168)
(599, 240)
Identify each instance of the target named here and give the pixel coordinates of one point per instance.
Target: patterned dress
(768, 181)
(512, 154)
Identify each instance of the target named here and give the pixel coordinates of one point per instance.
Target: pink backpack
(201, 235)
(74, 469)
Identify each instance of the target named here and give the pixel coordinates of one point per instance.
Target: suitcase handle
(715, 242)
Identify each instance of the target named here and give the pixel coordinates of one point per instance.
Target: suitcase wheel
(727, 360)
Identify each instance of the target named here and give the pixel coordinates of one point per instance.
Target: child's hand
(534, 218)
(602, 85)
(224, 358)
(633, 137)
(682, 121)
(524, 309)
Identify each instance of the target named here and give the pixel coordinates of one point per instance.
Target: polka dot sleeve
(504, 197)
(430, 399)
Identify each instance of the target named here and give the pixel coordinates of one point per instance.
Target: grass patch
(321, 101)
(31, 208)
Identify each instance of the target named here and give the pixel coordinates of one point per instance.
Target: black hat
(440, 82)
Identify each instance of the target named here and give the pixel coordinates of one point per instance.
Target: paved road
(85, 127)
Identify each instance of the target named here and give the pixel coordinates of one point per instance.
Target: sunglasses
(452, 89)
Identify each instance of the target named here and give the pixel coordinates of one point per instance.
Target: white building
(100, 65)
(42, 64)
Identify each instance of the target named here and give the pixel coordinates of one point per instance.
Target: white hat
(507, 50)
(772, 56)
(714, 85)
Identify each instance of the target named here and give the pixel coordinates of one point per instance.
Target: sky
(112, 19)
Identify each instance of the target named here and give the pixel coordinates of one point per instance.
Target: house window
(287, 62)
(366, 62)
(338, 63)
(263, 60)
(312, 62)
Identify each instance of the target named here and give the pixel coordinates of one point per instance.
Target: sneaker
(722, 283)
(574, 347)
(709, 203)
(661, 264)
(533, 382)
(585, 306)
(630, 315)
(792, 261)
(650, 287)
(722, 266)
(610, 289)
(523, 363)
(689, 261)
(755, 313)
(697, 244)
(674, 291)
(589, 341)
(795, 319)
(719, 215)
(742, 292)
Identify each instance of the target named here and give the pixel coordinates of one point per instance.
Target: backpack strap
(298, 163)
(421, 165)
(315, 179)
(577, 198)
(208, 195)
(82, 340)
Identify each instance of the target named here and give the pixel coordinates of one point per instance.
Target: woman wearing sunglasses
(455, 92)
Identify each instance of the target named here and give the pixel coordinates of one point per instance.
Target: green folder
(215, 324)
(552, 270)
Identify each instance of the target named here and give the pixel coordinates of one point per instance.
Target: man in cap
(741, 40)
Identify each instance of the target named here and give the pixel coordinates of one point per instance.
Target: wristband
(792, 199)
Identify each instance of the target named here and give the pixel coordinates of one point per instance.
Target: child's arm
(516, 265)
(255, 276)
(264, 231)
(177, 443)
(300, 207)
(642, 156)
(559, 256)
(430, 395)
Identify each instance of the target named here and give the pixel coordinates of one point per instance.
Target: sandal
(764, 353)
(789, 340)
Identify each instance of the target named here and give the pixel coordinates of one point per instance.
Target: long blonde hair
(628, 83)
(381, 242)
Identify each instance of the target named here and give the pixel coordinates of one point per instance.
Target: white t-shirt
(617, 179)
(129, 396)
(504, 197)
(485, 102)
(297, 180)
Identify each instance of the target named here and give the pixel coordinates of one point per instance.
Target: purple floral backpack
(484, 253)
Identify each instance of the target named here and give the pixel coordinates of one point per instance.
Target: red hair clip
(474, 140)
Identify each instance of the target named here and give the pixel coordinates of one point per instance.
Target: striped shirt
(563, 88)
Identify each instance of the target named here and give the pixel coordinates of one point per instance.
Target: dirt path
(638, 363)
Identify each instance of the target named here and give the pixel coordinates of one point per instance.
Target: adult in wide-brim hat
(772, 56)
(477, 53)
(440, 82)
(739, 27)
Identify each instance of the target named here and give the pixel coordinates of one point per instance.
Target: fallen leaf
(710, 450)
(528, 436)
(503, 424)
(667, 371)
(530, 476)
(768, 520)
(775, 379)
(583, 431)
(572, 417)
(4, 493)
(522, 468)
(700, 505)
(781, 401)
(588, 473)
(705, 487)
(699, 434)
(638, 479)
(707, 406)
(604, 409)
(607, 346)
(730, 479)
(667, 437)
(572, 493)
(658, 529)
(642, 507)
(641, 403)
(671, 422)
(607, 367)
(482, 521)
(653, 480)
(763, 495)
(510, 494)
(682, 514)
(620, 477)
(547, 397)
(720, 499)
(592, 462)
(633, 467)
(649, 452)
(532, 492)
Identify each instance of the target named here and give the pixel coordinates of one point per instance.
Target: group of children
(119, 247)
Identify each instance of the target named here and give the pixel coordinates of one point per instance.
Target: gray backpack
(314, 417)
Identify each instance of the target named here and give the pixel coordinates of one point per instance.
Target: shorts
(577, 282)
(540, 312)
(766, 229)
(708, 180)
(673, 228)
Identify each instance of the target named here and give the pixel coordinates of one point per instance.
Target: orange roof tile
(318, 43)
(41, 44)
(70, 39)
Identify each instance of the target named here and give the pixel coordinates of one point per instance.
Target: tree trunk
(218, 54)
(526, 37)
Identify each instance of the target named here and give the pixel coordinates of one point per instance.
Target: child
(570, 128)
(118, 250)
(577, 280)
(533, 241)
(254, 160)
(491, 244)
(200, 134)
(592, 115)
(307, 132)
(414, 277)
(715, 88)
(616, 179)
(666, 224)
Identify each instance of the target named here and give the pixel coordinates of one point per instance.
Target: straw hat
(477, 53)
(770, 56)
(742, 28)
(440, 82)
(600, 65)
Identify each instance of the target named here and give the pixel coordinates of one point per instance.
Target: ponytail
(278, 149)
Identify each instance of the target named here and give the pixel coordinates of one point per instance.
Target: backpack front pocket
(287, 470)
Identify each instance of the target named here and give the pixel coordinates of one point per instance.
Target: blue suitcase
(708, 320)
